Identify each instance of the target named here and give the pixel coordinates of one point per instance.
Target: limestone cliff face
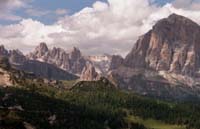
(172, 45)
(41, 69)
(3, 51)
(72, 62)
(116, 61)
(16, 57)
(89, 73)
(164, 62)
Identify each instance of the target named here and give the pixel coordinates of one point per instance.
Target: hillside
(92, 105)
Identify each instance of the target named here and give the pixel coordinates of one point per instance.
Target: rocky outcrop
(172, 45)
(77, 61)
(39, 51)
(41, 69)
(101, 63)
(89, 73)
(45, 70)
(16, 57)
(116, 62)
(5, 78)
(164, 62)
(3, 51)
(72, 62)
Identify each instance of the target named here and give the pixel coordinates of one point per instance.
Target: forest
(91, 105)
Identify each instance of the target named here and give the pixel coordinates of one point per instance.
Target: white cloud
(61, 11)
(7, 6)
(111, 27)
(37, 12)
(27, 34)
(100, 6)
(187, 4)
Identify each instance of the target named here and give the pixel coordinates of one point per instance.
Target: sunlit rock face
(72, 61)
(164, 62)
(89, 73)
(172, 45)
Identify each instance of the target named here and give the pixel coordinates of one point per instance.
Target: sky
(96, 27)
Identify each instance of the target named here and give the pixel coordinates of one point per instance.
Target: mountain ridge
(164, 62)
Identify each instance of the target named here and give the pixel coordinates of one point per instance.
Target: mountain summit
(72, 62)
(172, 45)
(164, 62)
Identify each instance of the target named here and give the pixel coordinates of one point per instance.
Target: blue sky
(46, 8)
(72, 6)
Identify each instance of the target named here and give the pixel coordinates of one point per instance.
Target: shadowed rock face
(172, 45)
(116, 61)
(3, 51)
(16, 57)
(40, 69)
(72, 62)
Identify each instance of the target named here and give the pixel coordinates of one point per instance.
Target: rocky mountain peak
(178, 19)
(169, 27)
(89, 73)
(3, 51)
(172, 45)
(75, 53)
(16, 57)
(72, 62)
(41, 49)
(116, 61)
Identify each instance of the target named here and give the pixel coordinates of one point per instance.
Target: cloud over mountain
(105, 27)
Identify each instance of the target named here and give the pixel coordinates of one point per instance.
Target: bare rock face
(40, 51)
(165, 62)
(89, 73)
(16, 57)
(101, 63)
(3, 51)
(58, 57)
(116, 61)
(77, 61)
(172, 45)
(72, 62)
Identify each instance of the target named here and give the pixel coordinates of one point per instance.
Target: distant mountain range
(164, 62)
(56, 63)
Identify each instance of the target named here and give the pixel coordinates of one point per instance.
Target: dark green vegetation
(90, 105)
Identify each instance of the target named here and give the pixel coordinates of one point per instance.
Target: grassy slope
(153, 124)
(92, 105)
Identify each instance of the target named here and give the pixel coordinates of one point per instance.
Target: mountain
(172, 45)
(89, 73)
(56, 63)
(40, 69)
(164, 62)
(9, 76)
(45, 70)
(72, 62)
(3, 51)
(101, 63)
(116, 61)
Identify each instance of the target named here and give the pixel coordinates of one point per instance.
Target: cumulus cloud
(187, 4)
(111, 27)
(7, 6)
(27, 34)
(61, 11)
(37, 12)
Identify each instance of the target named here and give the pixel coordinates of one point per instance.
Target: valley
(156, 86)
